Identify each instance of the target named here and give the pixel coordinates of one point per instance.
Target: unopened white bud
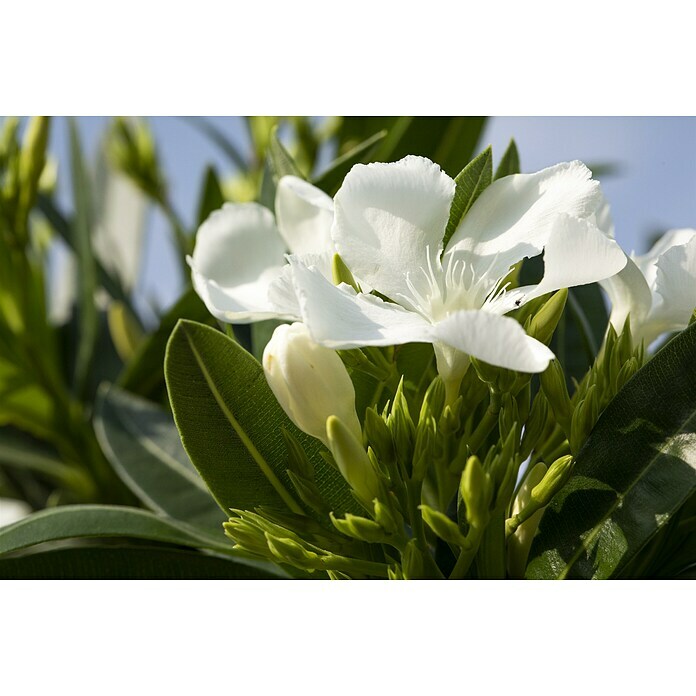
(310, 381)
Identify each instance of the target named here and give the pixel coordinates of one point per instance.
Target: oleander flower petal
(386, 215)
(494, 339)
(576, 253)
(516, 215)
(628, 293)
(304, 215)
(338, 317)
(657, 289)
(238, 254)
(676, 284)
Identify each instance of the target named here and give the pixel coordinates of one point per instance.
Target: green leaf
(280, 159)
(142, 444)
(21, 451)
(131, 563)
(87, 273)
(448, 140)
(331, 178)
(470, 183)
(144, 374)
(87, 521)
(211, 197)
(635, 471)
(230, 424)
(509, 163)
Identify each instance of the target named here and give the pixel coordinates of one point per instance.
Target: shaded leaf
(144, 374)
(143, 446)
(635, 471)
(211, 197)
(87, 521)
(87, 272)
(331, 178)
(136, 563)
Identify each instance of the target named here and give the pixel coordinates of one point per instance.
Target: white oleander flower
(657, 289)
(389, 224)
(238, 264)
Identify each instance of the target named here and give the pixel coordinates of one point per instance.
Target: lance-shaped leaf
(142, 444)
(330, 179)
(637, 468)
(470, 182)
(231, 425)
(131, 563)
(87, 521)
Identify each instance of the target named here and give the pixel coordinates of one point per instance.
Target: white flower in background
(12, 511)
(389, 223)
(658, 289)
(310, 382)
(239, 266)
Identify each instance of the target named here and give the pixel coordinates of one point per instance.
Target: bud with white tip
(310, 382)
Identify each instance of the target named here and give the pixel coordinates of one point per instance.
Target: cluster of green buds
(618, 360)
(440, 482)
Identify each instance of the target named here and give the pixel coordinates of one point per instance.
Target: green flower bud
(625, 373)
(341, 273)
(423, 452)
(401, 426)
(352, 461)
(475, 490)
(379, 436)
(308, 492)
(246, 536)
(360, 528)
(584, 418)
(444, 527)
(554, 386)
(390, 520)
(434, 400)
(290, 551)
(545, 321)
(554, 479)
(309, 381)
(499, 379)
(535, 425)
(298, 461)
(520, 542)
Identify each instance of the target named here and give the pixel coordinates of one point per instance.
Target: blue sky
(653, 188)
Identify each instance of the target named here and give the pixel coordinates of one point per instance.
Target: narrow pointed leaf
(509, 163)
(142, 444)
(636, 470)
(87, 521)
(87, 275)
(211, 197)
(470, 183)
(280, 159)
(331, 179)
(231, 424)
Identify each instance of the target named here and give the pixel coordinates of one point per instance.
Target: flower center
(437, 290)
